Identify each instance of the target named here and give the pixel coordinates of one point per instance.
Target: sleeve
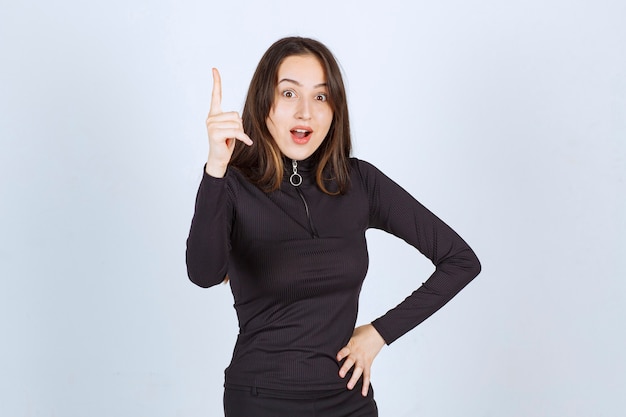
(394, 210)
(208, 244)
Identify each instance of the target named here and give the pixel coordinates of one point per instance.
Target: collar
(305, 169)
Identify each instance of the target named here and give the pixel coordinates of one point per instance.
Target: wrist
(214, 169)
(376, 334)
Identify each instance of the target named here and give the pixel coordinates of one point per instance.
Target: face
(301, 115)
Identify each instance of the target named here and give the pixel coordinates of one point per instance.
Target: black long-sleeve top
(297, 258)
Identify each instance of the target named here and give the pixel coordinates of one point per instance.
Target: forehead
(305, 69)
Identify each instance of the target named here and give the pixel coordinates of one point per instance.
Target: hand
(360, 352)
(223, 130)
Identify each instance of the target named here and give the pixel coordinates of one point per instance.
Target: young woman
(281, 212)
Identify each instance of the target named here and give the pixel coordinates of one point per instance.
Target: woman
(282, 211)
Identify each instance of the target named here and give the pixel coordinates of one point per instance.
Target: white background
(507, 119)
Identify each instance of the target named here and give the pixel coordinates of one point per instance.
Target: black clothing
(296, 259)
(261, 402)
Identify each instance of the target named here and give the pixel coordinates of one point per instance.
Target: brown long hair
(262, 162)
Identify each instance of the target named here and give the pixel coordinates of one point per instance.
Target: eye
(289, 94)
(321, 97)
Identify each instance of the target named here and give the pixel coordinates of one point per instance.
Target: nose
(303, 110)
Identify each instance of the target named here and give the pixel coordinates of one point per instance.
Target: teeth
(300, 130)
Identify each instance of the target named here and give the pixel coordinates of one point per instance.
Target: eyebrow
(289, 80)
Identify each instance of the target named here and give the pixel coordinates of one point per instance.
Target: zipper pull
(295, 179)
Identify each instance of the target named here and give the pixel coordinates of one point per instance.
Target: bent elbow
(203, 279)
(203, 272)
(476, 267)
(202, 269)
(202, 283)
(471, 265)
(466, 264)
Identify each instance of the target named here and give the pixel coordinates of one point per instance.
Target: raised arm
(208, 244)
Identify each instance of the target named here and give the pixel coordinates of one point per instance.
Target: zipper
(308, 214)
(296, 180)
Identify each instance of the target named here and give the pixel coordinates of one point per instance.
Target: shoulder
(240, 187)
(373, 179)
(364, 170)
(361, 165)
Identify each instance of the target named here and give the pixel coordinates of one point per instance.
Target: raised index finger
(216, 94)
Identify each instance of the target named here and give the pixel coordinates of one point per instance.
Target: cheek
(271, 126)
(327, 117)
(273, 118)
(279, 109)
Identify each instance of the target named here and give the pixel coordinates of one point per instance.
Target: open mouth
(301, 133)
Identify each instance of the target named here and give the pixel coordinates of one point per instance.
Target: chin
(298, 154)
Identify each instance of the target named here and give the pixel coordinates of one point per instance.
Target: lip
(301, 134)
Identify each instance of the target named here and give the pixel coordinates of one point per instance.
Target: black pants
(258, 402)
